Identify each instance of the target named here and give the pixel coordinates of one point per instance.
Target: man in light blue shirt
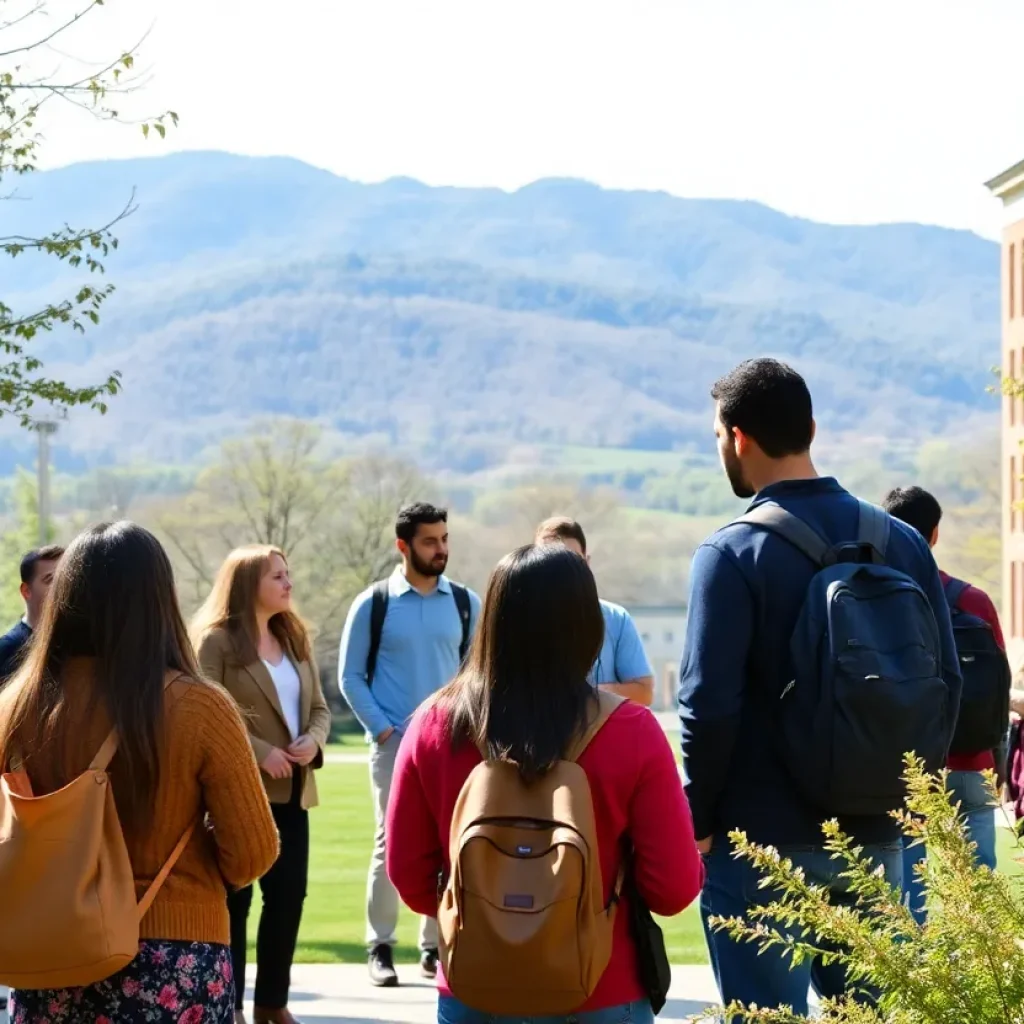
(422, 619)
(622, 666)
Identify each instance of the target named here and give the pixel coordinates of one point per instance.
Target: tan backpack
(68, 912)
(524, 928)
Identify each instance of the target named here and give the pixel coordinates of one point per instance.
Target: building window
(1014, 632)
(1012, 374)
(1013, 278)
(1017, 599)
(1011, 488)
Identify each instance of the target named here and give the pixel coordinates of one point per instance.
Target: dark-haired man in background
(402, 642)
(748, 587)
(37, 569)
(921, 510)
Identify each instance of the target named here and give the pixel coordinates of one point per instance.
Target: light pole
(45, 429)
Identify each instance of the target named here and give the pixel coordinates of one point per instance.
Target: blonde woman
(251, 640)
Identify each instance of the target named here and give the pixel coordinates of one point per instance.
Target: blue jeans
(970, 790)
(451, 1011)
(769, 979)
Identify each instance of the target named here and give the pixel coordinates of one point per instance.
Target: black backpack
(985, 700)
(379, 609)
(867, 686)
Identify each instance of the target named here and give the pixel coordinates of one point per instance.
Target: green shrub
(965, 966)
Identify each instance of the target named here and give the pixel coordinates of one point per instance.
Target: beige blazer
(256, 696)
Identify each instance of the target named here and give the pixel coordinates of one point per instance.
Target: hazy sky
(839, 110)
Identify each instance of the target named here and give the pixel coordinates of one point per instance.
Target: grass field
(332, 930)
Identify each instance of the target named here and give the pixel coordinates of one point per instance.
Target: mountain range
(458, 324)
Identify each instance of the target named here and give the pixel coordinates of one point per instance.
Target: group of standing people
(230, 765)
(513, 759)
(752, 584)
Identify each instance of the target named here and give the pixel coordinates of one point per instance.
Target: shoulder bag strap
(378, 612)
(776, 519)
(157, 884)
(873, 529)
(607, 705)
(954, 590)
(461, 596)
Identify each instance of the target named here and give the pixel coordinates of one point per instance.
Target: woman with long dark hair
(524, 697)
(112, 653)
(252, 641)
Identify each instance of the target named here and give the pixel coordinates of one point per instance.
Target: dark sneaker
(428, 963)
(382, 967)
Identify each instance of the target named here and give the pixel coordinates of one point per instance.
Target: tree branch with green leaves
(965, 964)
(30, 33)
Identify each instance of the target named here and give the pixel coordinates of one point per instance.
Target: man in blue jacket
(748, 586)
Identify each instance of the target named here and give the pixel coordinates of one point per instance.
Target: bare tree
(333, 518)
(272, 487)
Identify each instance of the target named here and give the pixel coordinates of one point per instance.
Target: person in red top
(524, 696)
(916, 507)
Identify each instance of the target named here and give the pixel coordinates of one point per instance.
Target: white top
(289, 692)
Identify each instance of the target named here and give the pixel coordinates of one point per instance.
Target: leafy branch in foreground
(966, 964)
(30, 33)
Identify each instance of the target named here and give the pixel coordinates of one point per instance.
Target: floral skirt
(167, 983)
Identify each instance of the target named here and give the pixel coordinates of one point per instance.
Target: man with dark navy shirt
(37, 569)
(748, 586)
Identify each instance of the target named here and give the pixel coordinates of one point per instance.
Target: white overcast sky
(839, 110)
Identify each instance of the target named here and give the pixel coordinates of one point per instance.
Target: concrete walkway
(341, 994)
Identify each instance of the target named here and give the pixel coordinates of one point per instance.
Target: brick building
(1009, 188)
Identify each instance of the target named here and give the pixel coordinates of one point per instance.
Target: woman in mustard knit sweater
(110, 634)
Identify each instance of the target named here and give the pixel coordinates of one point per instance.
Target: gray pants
(381, 896)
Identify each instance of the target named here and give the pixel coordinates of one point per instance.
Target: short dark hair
(915, 507)
(769, 401)
(418, 514)
(561, 528)
(50, 553)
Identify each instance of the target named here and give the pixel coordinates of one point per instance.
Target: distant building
(1009, 187)
(662, 629)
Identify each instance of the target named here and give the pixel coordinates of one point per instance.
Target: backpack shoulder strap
(873, 526)
(378, 612)
(607, 704)
(462, 603)
(100, 764)
(157, 884)
(954, 590)
(776, 519)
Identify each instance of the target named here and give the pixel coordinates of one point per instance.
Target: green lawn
(348, 742)
(332, 929)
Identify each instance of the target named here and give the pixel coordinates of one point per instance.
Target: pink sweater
(637, 793)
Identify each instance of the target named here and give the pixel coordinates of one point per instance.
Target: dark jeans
(970, 790)
(769, 979)
(451, 1011)
(284, 891)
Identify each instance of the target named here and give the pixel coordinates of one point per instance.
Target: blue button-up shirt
(419, 651)
(622, 658)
